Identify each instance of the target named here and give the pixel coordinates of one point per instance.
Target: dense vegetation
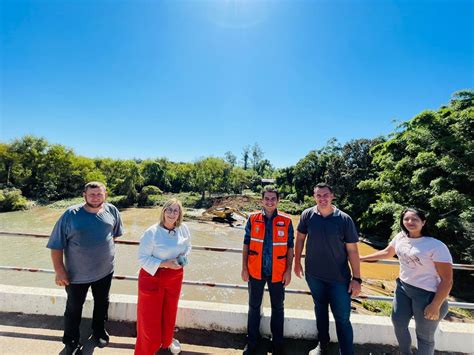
(426, 162)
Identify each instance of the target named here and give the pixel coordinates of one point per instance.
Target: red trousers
(158, 297)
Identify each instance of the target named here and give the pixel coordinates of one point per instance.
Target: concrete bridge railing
(453, 337)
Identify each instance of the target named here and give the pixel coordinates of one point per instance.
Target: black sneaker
(73, 348)
(102, 338)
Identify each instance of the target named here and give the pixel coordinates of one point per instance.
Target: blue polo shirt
(326, 254)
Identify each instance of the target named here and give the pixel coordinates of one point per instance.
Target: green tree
(307, 172)
(180, 176)
(245, 157)
(230, 158)
(256, 155)
(239, 179)
(8, 159)
(130, 181)
(154, 173)
(347, 166)
(208, 175)
(30, 152)
(428, 163)
(264, 168)
(284, 180)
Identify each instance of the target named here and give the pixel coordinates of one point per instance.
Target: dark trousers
(332, 294)
(277, 298)
(76, 296)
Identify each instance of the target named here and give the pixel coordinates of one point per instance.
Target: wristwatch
(358, 279)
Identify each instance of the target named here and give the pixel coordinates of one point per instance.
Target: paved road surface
(33, 334)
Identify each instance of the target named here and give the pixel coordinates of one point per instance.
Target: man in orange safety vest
(267, 258)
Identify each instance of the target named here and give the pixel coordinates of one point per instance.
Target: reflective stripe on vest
(280, 227)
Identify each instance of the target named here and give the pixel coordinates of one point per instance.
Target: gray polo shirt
(87, 241)
(326, 254)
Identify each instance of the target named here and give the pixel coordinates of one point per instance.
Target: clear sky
(188, 79)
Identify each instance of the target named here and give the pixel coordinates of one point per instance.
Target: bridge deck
(34, 334)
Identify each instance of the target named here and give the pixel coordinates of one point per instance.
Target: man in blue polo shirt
(331, 241)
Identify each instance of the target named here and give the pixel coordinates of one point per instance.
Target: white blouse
(159, 244)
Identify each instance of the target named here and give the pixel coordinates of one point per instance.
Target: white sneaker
(175, 347)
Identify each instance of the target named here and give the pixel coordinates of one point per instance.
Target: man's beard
(97, 205)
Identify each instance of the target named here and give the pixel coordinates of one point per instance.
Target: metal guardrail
(218, 249)
(233, 286)
(464, 305)
(225, 285)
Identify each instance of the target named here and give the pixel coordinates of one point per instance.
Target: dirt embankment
(240, 202)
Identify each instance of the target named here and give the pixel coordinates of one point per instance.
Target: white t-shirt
(417, 257)
(158, 244)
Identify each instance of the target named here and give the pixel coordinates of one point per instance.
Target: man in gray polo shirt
(83, 252)
(331, 242)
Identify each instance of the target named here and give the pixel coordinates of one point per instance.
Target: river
(206, 266)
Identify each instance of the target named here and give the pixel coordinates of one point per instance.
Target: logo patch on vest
(280, 223)
(281, 233)
(257, 229)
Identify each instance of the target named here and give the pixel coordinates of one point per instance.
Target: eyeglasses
(171, 211)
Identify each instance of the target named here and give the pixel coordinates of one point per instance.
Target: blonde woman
(162, 254)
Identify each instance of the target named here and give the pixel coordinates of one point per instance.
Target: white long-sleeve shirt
(159, 244)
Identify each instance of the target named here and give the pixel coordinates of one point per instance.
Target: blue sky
(188, 79)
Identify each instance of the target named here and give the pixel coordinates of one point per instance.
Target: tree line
(426, 162)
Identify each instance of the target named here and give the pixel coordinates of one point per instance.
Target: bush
(120, 201)
(383, 308)
(11, 199)
(293, 207)
(148, 196)
(62, 204)
(151, 190)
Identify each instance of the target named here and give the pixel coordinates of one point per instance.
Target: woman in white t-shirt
(162, 253)
(424, 283)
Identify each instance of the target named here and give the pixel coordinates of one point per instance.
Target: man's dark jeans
(76, 295)
(277, 298)
(334, 294)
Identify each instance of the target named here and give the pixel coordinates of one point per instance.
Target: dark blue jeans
(76, 296)
(411, 301)
(332, 294)
(277, 298)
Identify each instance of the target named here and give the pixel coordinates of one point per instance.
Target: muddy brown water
(206, 266)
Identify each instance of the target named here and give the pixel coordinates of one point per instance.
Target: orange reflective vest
(281, 224)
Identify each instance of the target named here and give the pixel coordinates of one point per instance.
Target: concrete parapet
(453, 337)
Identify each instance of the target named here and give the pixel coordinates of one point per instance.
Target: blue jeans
(334, 294)
(411, 301)
(277, 298)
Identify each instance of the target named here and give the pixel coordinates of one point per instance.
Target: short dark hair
(270, 188)
(419, 213)
(94, 185)
(323, 185)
